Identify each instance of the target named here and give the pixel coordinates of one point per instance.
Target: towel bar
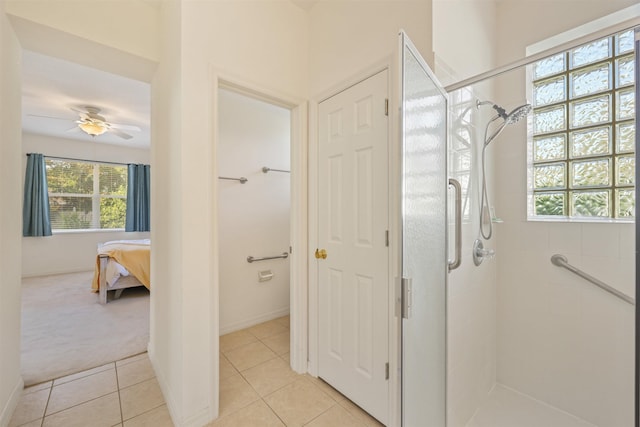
(252, 259)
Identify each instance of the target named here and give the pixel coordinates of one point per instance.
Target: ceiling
(51, 87)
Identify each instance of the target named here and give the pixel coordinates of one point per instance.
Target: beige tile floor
(257, 389)
(122, 393)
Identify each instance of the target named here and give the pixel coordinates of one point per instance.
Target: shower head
(517, 114)
(514, 116)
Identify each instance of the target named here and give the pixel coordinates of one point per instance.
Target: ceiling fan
(92, 123)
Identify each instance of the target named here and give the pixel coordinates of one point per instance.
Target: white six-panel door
(352, 225)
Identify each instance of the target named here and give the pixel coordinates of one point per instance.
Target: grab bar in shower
(562, 261)
(458, 225)
(242, 179)
(266, 169)
(252, 259)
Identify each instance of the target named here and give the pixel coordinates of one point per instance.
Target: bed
(121, 264)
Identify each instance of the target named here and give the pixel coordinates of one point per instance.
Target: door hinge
(406, 297)
(386, 371)
(290, 249)
(386, 107)
(386, 238)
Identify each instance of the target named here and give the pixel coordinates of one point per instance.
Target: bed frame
(122, 283)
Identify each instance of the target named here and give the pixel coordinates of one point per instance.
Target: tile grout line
(52, 385)
(274, 412)
(45, 406)
(81, 403)
(145, 412)
(267, 345)
(119, 397)
(335, 402)
(80, 378)
(261, 398)
(270, 393)
(44, 413)
(322, 413)
(150, 409)
(78, 404)
(277, 356)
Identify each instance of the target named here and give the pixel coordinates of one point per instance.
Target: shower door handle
(458, 224)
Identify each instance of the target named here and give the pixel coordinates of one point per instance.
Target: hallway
(257, 388)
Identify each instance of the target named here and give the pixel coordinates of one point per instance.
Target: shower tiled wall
(516, 319)
(471, 311)
(560, 339)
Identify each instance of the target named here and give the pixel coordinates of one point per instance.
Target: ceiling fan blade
(125, 127)
(85, 109)
(49, 117)
(120, 133)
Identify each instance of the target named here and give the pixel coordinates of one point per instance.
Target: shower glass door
(424, 240)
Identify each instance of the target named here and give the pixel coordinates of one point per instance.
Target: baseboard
(55, 273)
(169, 400)
(242, 324)
(200, 419)
(7, 411)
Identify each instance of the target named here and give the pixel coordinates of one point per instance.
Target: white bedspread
(114, 269)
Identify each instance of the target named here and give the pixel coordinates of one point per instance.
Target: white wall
(166, 323)
(10, 220)
(464, 37)
(70, 252)
(471, 311)
(130, 26)
(348, 36)
(253, 218)
(263, 43)
(560, 339)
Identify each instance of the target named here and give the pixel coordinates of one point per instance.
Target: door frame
(394, 323)
(298, 218)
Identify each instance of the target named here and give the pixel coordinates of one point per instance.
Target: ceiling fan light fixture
(93, 129)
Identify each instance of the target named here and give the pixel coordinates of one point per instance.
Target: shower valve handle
(480, 253)
(486, 253)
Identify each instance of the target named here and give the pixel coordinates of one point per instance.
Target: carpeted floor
(65, 330)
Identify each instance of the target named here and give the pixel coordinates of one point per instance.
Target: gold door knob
(321, 253)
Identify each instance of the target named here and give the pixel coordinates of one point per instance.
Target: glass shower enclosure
(517, 338)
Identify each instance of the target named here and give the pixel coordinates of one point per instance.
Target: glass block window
(86, 195)
(461, 107)
(583, 131)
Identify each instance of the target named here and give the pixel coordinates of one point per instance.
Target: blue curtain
(138, 189)
(35, 210)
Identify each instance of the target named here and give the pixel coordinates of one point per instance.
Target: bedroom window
(582, 138)
(86, 195)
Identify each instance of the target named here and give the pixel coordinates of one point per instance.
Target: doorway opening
(254, 203)
(61, 332)
(261, 212)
